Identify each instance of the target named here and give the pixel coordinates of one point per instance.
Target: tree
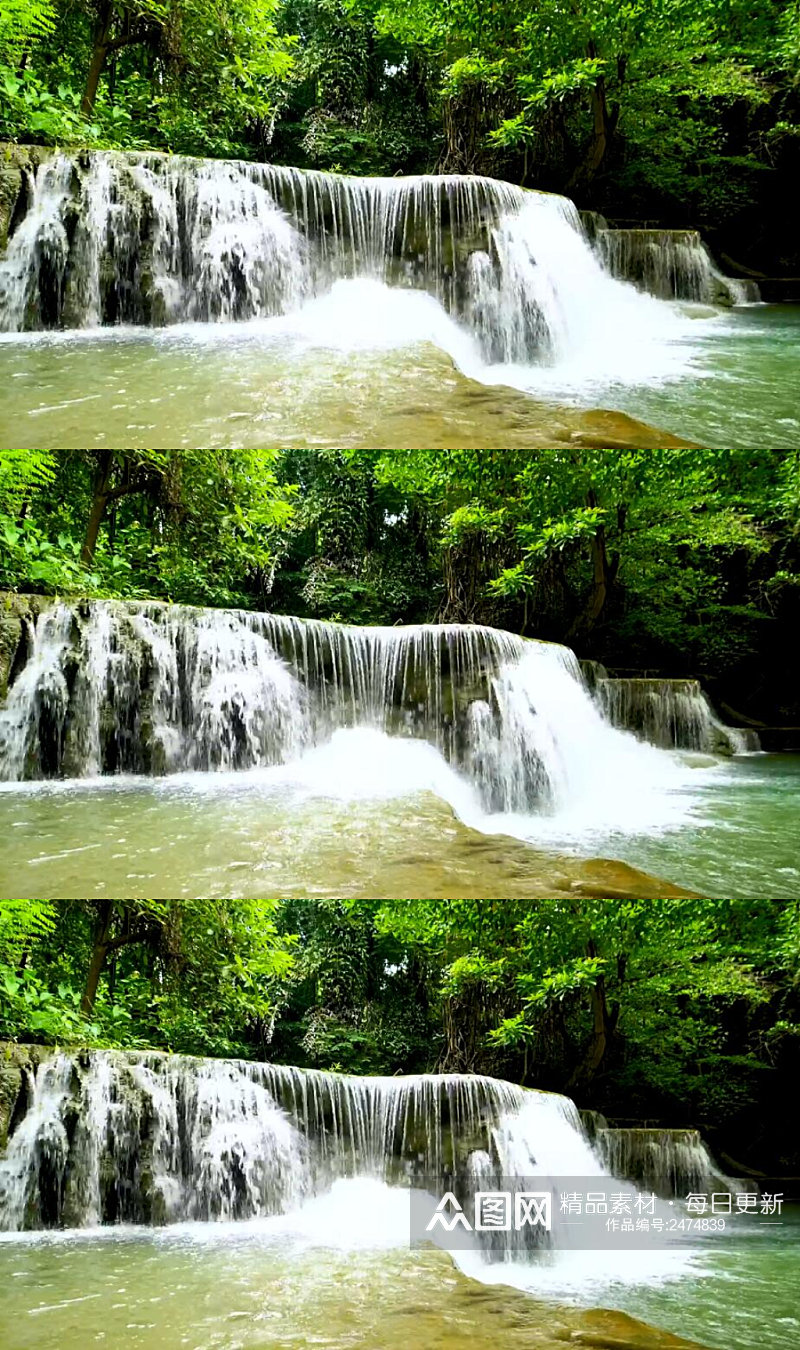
(117, 25)
(118, 924)
(117, 474)
(639, 558)
(638, 1008)
(203, 977)
(202, 526)
(190, 77)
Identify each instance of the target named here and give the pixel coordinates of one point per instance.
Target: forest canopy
(654, 110)
(681, 1011)
(684, 563)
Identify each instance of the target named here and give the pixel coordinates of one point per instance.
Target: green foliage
(695, 549)
(355, 1004)
(684, 1011)
(200, 78)
(28, 1008)
(692, 997)
(23, 471)
(652, 109)
(196, 526)
(25, 21)
(199, 977)
(29, 559)
(354, 553)
(23, 922)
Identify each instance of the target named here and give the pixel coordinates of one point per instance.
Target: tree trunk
(102, 488)
(602, 130)
(600, 578)
(464, 119)
(464, 1018)
(602, 1029)
(102, 937)
(603, 575)
(102, 37)
(464, 567)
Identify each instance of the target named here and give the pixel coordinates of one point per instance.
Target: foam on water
(628, 338)
(367, 765)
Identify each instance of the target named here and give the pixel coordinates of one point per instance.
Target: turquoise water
(744, 1292)
(243, 1287)
(742, 839)
(742, 389)
(726, 379)
(730, 830)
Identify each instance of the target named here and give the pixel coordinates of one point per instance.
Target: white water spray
(110, 1137)
(165, 240)
(488, 721)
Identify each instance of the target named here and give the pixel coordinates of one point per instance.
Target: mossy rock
(16, 163)
(15, 1062)
(15, 611)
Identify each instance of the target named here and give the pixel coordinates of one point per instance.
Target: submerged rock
(454, 859)
(604, 1329)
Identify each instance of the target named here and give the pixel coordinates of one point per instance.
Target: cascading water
(668, 1162)
(672, 264)
(106, 688)
(327, 1257)
(108, 1137)
(675, 714)
(110, 238)
(144, 689)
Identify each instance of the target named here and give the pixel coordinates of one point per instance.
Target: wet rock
(18, 613)
(672, 264)
(17, 1065)
(607, 1330)
(607, 879)
(17, 165)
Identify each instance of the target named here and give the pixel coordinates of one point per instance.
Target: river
(340, 1275)
(371, 366)
(376, 816)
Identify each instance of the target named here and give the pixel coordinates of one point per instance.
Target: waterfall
(105, 1137)
(672, 264)
(146, 689)
(670, 713)
(667, 1162)
(104, 238)
(105, 687)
